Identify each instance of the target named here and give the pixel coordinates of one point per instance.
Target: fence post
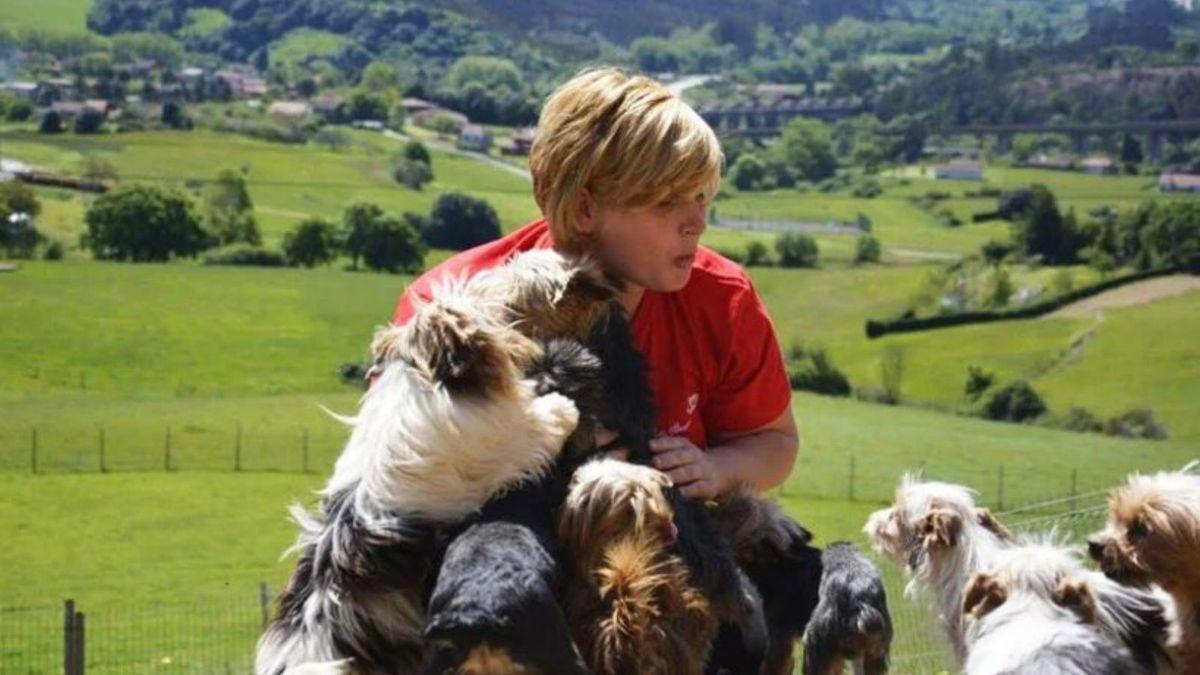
(103, 468)
(850, 488)
(237, 449)
(167, 450)
(69, 637)
(304, 451)
(33, 448)
(1000, 488)
(264, 602)
(1074, 486)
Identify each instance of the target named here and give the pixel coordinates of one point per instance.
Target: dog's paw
(556, 415)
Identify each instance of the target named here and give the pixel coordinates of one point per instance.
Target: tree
(89, 121)
(51, 123)
(365, 105)
(331, 137)
(392, 245)
(1043, 231)
(411, 174)
(796, 250)
(490, 72)
(18, 209)
(97, 168)
(229, 209)
(756, 254)
(459, 222)
(378, 76)
(357, 221)
(747, 172)
(174, 117)
(143, 223)
(416, 151)
(17, 197)
(806, 146)
(1131, 150)
(312, 242)
(867, 249)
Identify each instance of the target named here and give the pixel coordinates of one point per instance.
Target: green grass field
(287, 183)
(302, 43)
(62, 16)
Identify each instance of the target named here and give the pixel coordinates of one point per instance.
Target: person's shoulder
(716, 277)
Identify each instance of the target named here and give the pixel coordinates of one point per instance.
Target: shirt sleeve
(753, 388)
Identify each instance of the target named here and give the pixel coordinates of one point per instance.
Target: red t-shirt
(715, 365)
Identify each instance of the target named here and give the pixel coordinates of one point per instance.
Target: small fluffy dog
(1153, 536)
(936, 533)
(495, 607)
(851, 622)
(776, 553)
(629, 598)
(450, 423)
(1040, 611)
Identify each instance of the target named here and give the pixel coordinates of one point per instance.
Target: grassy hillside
(66, 16)
(287, 183)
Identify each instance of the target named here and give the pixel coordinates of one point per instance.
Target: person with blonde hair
(625, 171)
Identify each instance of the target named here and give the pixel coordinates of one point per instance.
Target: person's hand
(603, 438)
(693, 470)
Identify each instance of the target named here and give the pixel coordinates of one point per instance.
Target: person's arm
(760, 458)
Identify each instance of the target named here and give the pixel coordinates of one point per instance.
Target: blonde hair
(623, 140)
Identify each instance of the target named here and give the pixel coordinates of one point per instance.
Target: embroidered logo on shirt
(692, 402)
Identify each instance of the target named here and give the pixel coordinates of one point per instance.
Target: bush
(757, 255)
(810, 369)
(996, 251)
(796, 250)
(312, 242)
(417, 152)
(1014, 402)
(245, 254)
(747, 172)
(978, 381)
(89, 121)
(1080, 419)
(867, 249)
(51, 123)
(1137, 423)
(867, 189)
(393, 245)
(410, 173)
(54, 251)
(946, 218)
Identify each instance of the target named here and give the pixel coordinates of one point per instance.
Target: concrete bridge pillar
(1004, 143)
(1154, 146)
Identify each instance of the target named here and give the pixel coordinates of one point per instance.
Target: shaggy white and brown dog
(450, 423)
(629, 599)
(1039, 610)
(936, 533)
(1153, 537)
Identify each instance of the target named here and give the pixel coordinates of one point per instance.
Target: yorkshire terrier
(630, 599)
(1153, 537)
(851, 622)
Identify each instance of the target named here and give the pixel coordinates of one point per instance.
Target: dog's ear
(1076, 595)
(985, 518)
(590, 284)
(939, 528)
(466, 355)
(983, 593)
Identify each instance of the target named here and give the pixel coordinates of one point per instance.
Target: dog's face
(462, 346)
(925, 517)
(609, 499)
(549, 295)
(1153, 531)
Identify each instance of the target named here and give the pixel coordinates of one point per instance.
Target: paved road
(446, 146)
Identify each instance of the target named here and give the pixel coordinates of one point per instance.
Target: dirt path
(1133, 294)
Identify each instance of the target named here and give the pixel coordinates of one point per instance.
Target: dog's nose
(1095, 549)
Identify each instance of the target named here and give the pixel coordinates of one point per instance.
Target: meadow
(173, 411)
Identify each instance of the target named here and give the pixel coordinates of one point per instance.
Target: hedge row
(877, 328)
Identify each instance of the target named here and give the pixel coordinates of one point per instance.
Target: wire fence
(142, 446)
(219, 635)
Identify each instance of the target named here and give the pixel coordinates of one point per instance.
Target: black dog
(776, 553)
(851, 623)
(495, 604)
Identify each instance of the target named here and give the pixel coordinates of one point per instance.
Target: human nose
(695, 220)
